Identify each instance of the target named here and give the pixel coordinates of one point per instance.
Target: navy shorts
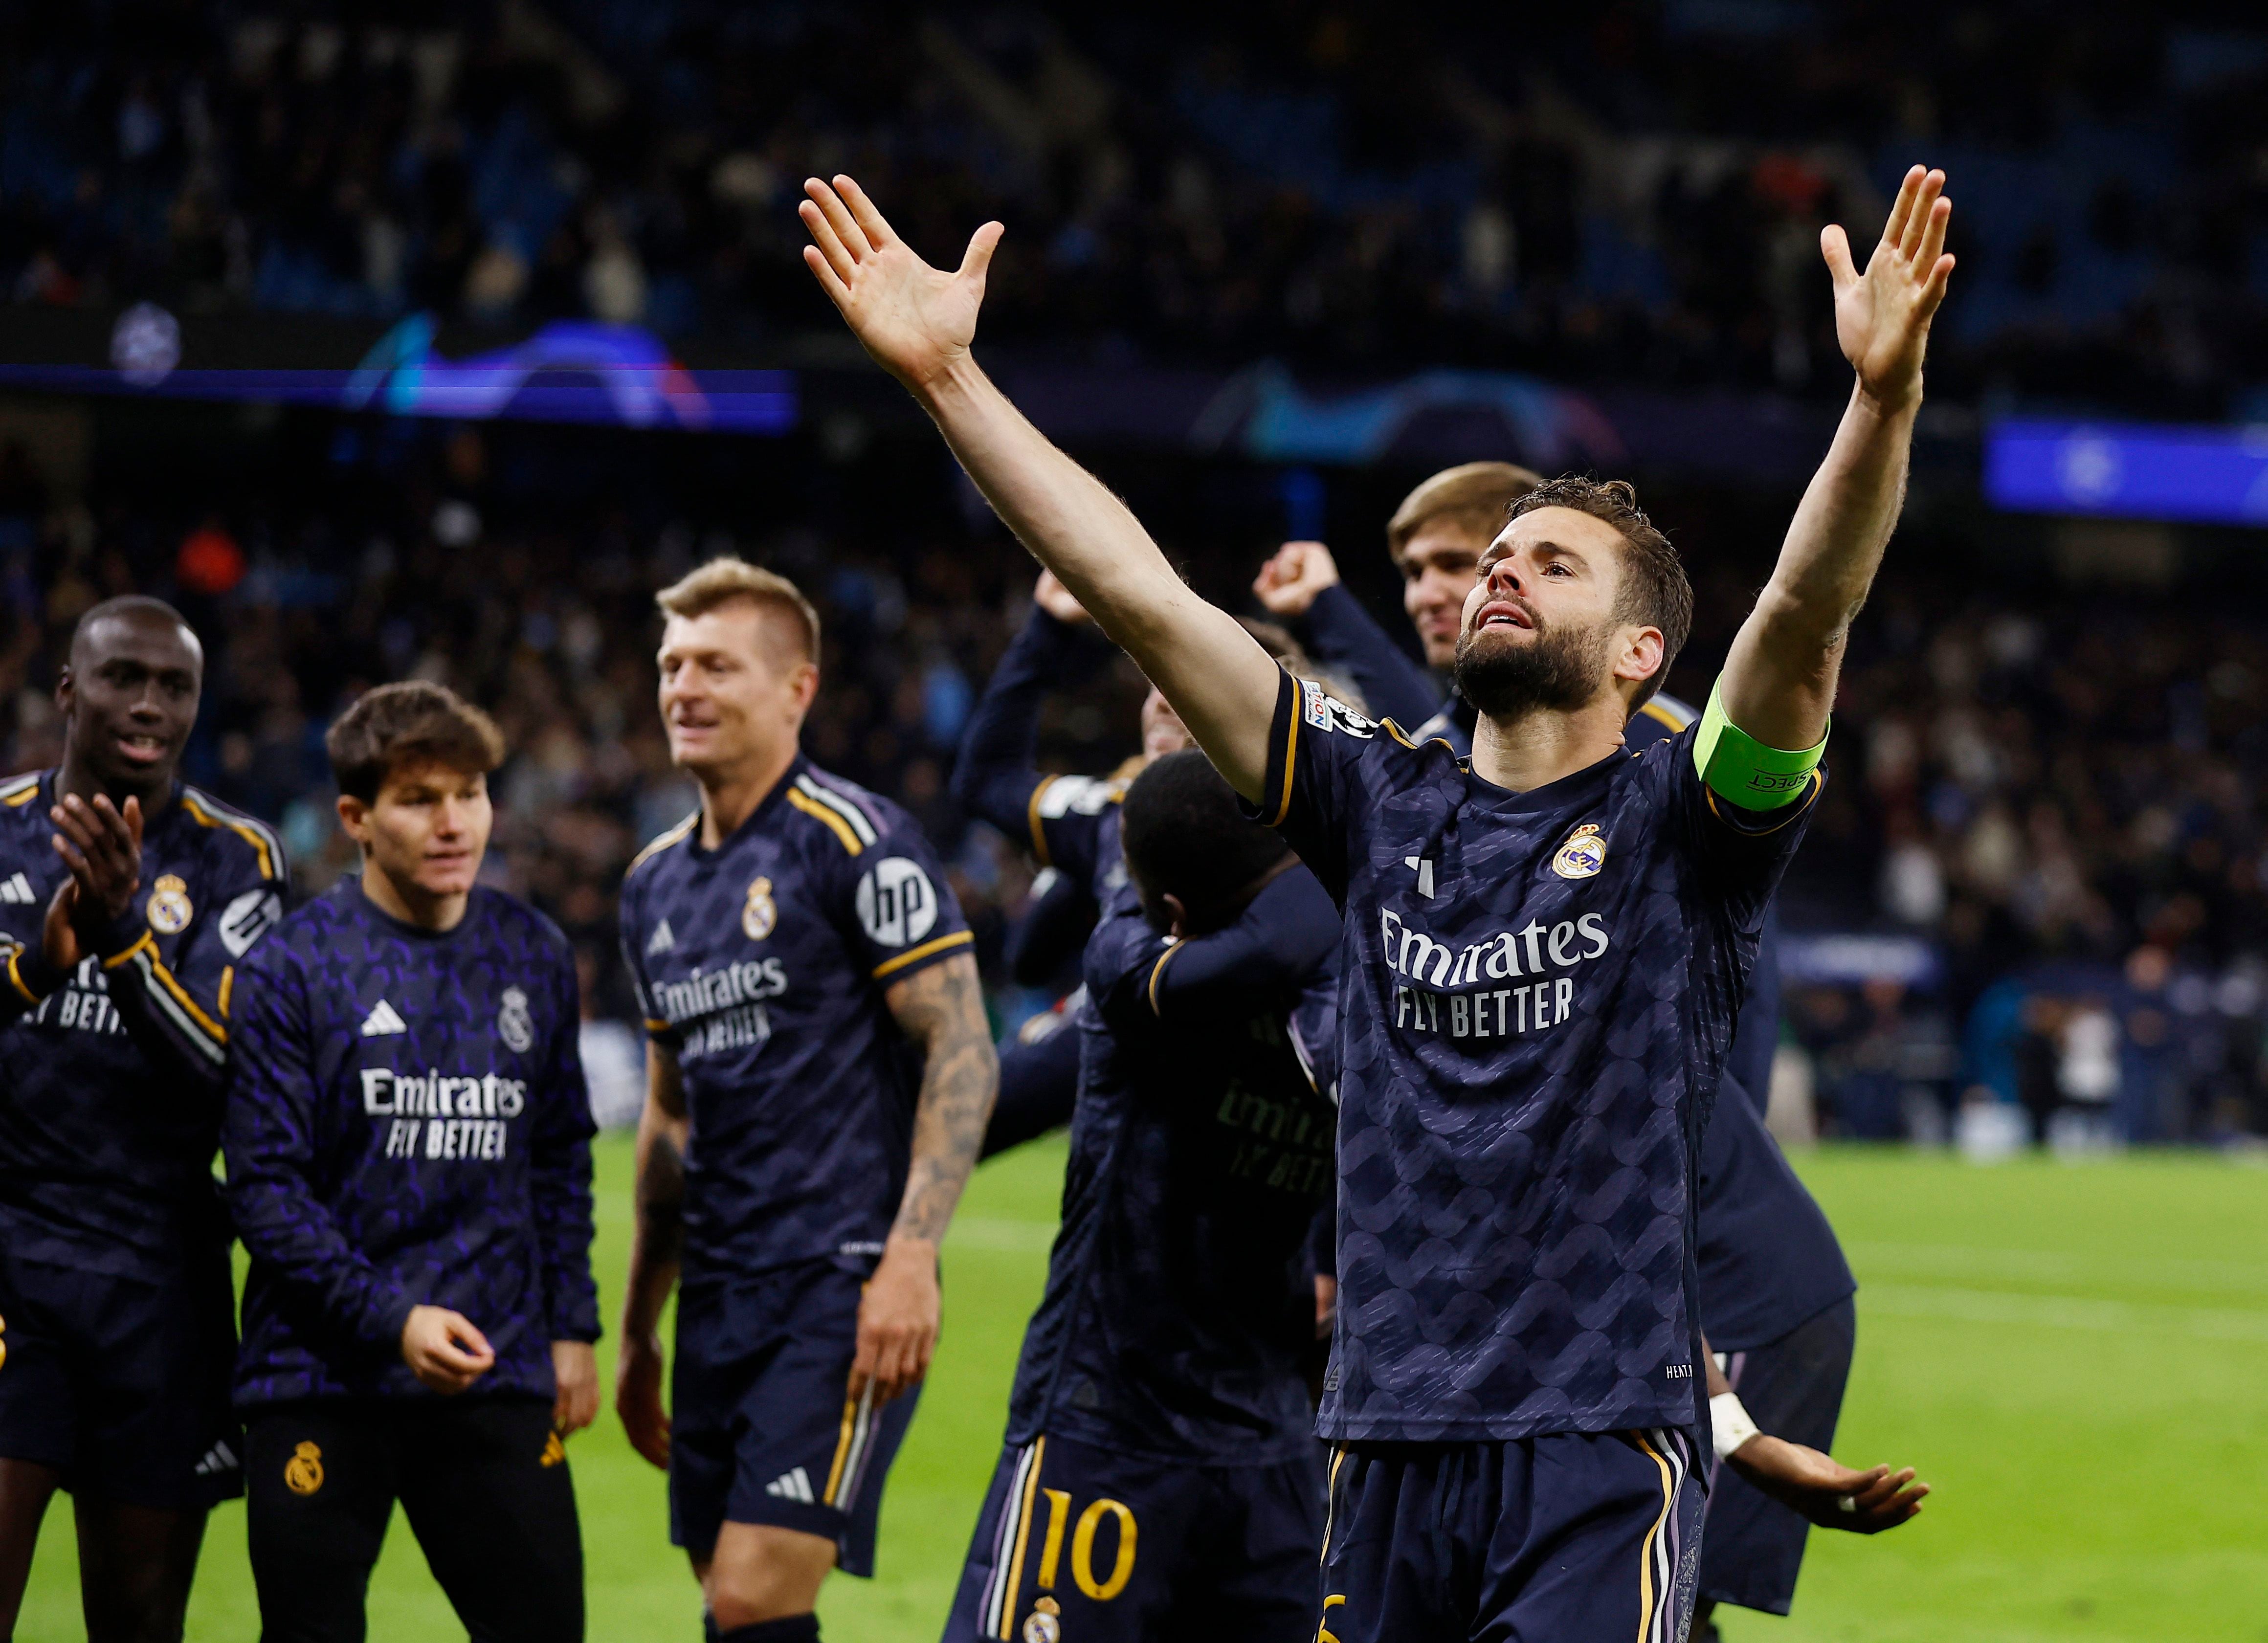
(763, 1429)
(1578, 1537)
(122, 1384)
(1792, 1387)
(1096, 1546)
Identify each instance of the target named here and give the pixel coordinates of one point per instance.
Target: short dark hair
(411, 722)
(1656, 591)
(1185, 835)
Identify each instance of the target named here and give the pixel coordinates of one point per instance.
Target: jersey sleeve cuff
(30, 977)
(1275, 802)
(900, 965)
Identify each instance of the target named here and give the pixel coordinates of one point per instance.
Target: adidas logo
(219, 1458)
(660, 941)
(17, 892)
(383, 1022)
(795, 1485)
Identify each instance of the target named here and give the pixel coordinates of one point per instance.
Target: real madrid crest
(1583, 854)
(303, 1473)
(1043, 1624)
(761, 915)
(514, 1025)
(169, 906)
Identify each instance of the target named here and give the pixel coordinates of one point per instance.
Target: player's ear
(803, 685)
(354, 818)
(1177, 916)
(1641, 654)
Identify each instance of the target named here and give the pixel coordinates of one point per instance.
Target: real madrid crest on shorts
(1583, 854)
(1042, 1626)
(169, 906)
(514, 1025)
(303, 1473)
(761, 915)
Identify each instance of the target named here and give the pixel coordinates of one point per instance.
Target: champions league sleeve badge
(514, 1025)
(1583, 854)
(169, 906)
(761, 915)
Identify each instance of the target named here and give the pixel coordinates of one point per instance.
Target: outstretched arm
(1779, 678)
(1816, 1486)
(918, 323)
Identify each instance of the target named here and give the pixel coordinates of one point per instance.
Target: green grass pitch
(2071, 1354)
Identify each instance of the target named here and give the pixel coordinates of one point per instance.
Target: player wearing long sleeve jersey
(407, 1144)
(1160, 1478)
(1544, 947)
(1775, 1290)
(128, 901)
(821, 1072)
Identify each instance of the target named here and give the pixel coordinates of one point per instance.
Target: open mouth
(140, 747)
(1500, 613)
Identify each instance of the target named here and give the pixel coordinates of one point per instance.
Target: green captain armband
(1740, 770)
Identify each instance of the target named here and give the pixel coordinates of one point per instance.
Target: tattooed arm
(656, 1245)
(942, 1009)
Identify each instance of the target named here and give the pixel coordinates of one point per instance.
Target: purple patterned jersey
(1538, 990)
(763, 964)
(110, 1076)
(407, 1124)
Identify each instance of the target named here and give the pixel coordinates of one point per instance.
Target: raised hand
(915, 320)
(1290, 580)
(1882, 315)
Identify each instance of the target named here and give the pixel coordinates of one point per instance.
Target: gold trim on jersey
(662, 842)
(193, 803)
(959, 938)
(819, 812)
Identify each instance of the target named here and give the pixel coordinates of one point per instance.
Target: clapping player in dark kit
(1776, 1293)
(820, 1070)
(127, 899)
(1543, 950)
(1161, 1479)
(407, 1145)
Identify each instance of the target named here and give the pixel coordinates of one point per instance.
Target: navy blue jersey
(762, 965)
(110, 1077)
(1343, 635)
(1769, 1261)
(407, 1124)
(1180, 1301)
(1538, 991)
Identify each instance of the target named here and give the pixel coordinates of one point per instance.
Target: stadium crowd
(2066, 814)
(1632, 193)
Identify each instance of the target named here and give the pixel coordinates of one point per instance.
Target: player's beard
(1557, 670)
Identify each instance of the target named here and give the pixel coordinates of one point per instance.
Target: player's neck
(410, 903)
(1540, 747)
(72, 775)
(730, 796)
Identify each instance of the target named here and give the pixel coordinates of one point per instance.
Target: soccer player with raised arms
(1544, 949)
(821, 1074)
(408, 1141)
(1776, 1293)
(127, 901)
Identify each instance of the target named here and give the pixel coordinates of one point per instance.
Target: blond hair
(722, 580)
(1477, 496)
